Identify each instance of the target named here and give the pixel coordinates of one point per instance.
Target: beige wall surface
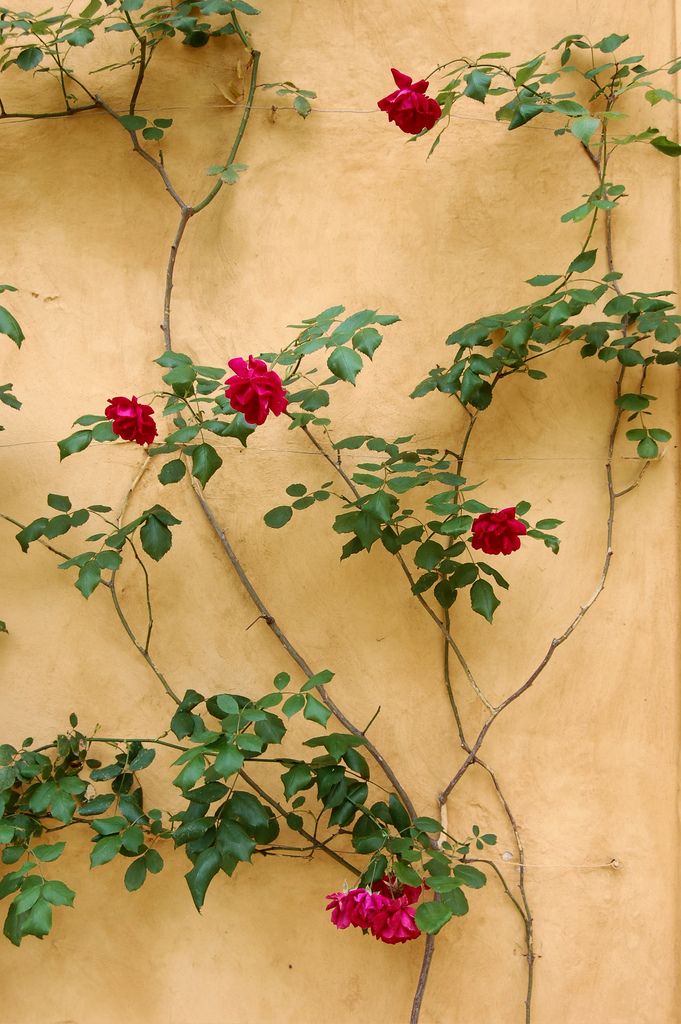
(340, 209)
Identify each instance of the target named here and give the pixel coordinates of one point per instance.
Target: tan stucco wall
(339, 209)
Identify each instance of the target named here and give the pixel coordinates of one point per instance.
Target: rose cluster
(254, 391)
(387, 910)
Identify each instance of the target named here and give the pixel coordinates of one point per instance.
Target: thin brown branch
(306, 835)
(141, 71)
(428, 951)
(26, 116)
(133, 639)
(185, 214)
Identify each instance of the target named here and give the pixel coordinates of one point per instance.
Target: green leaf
(483, 599)
(584, 261)
(105, 850)
(666, 146)
(427, 825)
(136, 874)
(345, 363)
(367, 835)
(154, 861)
(172, 472)
(431, 917)
(89, 578)
(98, 805)
(400, 818)
(293, 704)
(48, 851)
(318, 679)
(344, 331)
(478, 85)
(233, 840)
(543, 279)
(428, 554)
(10, 327)
(230, 175)
(528, 69)
(466, 874)
(281, 680)
(278, 517)
(298, 777)
(59, 501)
(584, 127)
(77, 442)
(80, 37)
(201, 875)
(58, 894)
(315, 711)
(156, 538)
(647, 449)
(205, 462)
(29, 58)
(134, 123)
(633, 402)
(406, 874)
(457, 902)
(296, 490)
(302, 106)
(228, 761)
(367, 341)
(610, 43)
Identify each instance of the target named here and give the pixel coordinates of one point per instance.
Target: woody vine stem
(39, 785)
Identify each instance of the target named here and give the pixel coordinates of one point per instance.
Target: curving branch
(294, 654)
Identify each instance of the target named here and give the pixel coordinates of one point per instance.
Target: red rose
(131, 420)
(498, 533)
(254, 390)
(408, 106)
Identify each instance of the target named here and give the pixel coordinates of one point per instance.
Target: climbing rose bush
(254, 390)
(498, 533)
(131, 420)
(408, 106)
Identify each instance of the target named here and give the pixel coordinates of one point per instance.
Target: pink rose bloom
(408, 106)
(387, 911)
(131, 420)
(498, 533)
(254, 390)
